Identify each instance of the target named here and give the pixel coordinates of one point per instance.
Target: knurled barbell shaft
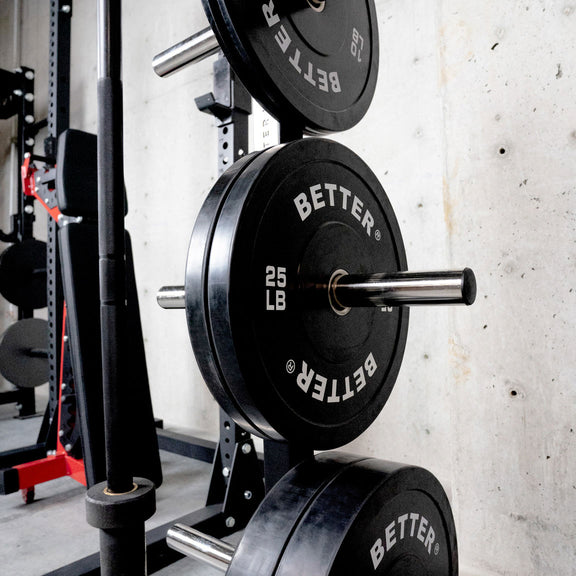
(195, 544)
(386, 289)
(188, 51)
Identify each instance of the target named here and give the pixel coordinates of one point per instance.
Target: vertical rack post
(58, 121)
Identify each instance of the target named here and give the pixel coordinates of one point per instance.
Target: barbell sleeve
(172, 297)
(387, 289)
(403, 289)
(189, 51)
(196, 48)
(195, 544)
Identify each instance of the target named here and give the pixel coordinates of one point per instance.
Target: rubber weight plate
(299, 371)
(23, 353)
(23, 274)
(375, 517)
(312, 62)
(197, 314)
(279, 514)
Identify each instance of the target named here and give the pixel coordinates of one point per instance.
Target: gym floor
(52, 532)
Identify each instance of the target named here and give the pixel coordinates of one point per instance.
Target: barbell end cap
(171, 297)
(469, 288)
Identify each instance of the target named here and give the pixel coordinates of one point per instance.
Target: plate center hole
(317, 5)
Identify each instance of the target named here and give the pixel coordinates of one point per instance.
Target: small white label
(275, 285)
(265, 130)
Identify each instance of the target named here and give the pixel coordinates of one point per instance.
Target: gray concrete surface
(52, 532)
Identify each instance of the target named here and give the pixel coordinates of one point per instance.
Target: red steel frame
(61, 463)
(55, 465)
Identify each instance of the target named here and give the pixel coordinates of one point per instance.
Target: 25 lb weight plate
(197, 305)
(310, 62)
(354, 516)
(291, 367)
(375, 517)
(281, 512)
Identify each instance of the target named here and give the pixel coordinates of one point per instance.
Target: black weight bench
(76, 186)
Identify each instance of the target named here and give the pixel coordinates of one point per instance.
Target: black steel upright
(119, 506)
(58, 121)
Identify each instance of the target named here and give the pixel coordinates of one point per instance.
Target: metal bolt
(65, 338)
(17, 92)
(47, 200)
(247, 495)
(29, 119)
(230, 522)
(226, 472)
(29, 75)
(246, 448)
(66, 8)
(63, 385)
(30, 142)
(68, 447)
(38, 178)
(29, 209)
(60, 433)
(29, 97)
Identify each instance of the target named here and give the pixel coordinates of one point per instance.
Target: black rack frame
(20, 103)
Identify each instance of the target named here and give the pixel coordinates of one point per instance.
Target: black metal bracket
(231, 104)
(236, 482)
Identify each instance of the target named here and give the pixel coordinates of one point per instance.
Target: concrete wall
(473, 134)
